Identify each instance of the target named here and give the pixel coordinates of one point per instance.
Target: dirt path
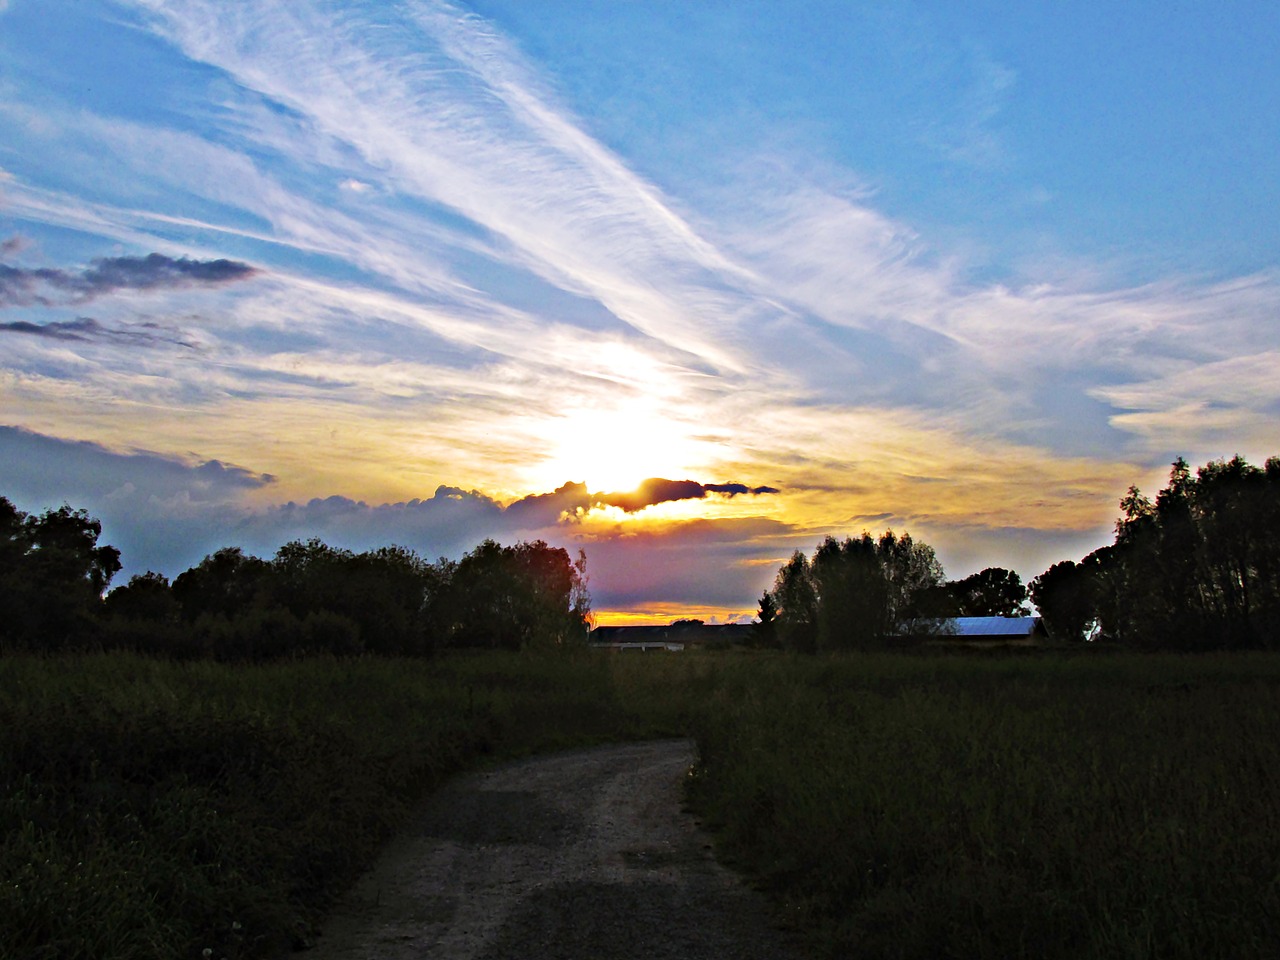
(577, 855)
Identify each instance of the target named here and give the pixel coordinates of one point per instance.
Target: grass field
(894, 806)
(953, 807)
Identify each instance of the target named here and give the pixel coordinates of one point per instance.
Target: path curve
(584, 854)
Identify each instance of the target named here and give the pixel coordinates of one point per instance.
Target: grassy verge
(933, 807)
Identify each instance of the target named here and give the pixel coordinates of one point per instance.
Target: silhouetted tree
(764, 632)
(309, 598)
(355, 595)
(553, 589)
(1198, 568)
(225, 583)
(146, 597)
(796, 598)
(1065, 595)
(64, 549)
(52, 576)
(144, 616)
(529, 595)
(854, 606)
(387, 594)
(13, 538)
(993, 592)
(856, 593)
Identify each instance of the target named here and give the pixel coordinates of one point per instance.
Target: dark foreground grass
(1081, 808)
(909, 807)
(151, 809)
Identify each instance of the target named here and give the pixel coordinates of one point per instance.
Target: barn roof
(992, 626)
(973, 628)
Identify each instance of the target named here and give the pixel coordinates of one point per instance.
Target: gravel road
(580, 855)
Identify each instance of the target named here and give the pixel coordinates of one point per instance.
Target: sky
(686, 286)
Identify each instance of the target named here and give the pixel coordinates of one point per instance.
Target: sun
(614, 450)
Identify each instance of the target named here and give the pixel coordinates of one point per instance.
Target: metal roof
(991, 626)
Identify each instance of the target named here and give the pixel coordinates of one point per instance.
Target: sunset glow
(615, 448)
(685, 286)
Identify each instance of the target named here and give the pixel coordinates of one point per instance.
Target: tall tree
(993, 592)
(764, 632)
(913, 571)
(528, 595)
(53, 572)
(1065, 596)
(580, 615)
(855, 593)
(1197, 568)
(855, 607)
(796, 598)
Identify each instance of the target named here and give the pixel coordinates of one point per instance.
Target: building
(984, 631)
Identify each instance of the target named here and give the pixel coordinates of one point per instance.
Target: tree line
(308, 598)
(1198, 568)
(869, 592)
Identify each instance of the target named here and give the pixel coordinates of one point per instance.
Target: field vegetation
(1075, 807)
(913, 806)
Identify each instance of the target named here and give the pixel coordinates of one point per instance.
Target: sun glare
(615, 450)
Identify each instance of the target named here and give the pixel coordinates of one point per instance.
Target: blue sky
(425, 273)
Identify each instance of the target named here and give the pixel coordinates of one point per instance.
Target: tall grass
(935, 807)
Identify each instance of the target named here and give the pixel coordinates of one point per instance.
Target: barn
(990, 631)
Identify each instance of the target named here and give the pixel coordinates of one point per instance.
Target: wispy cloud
(1203, 408)
(487, 139)
(448, 112)
(87, 329)
(970, 136)
(908, 327)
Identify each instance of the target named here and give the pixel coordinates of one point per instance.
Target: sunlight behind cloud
(614, 447)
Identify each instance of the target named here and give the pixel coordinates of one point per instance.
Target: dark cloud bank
(656, 490)
(453, 514)
(48, 286)
(162, 512)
